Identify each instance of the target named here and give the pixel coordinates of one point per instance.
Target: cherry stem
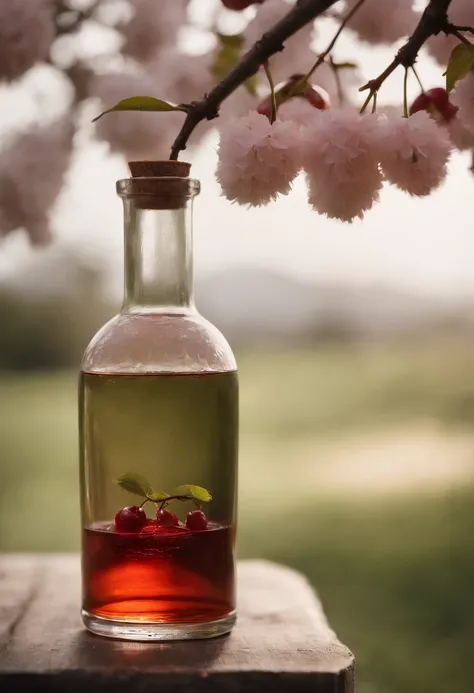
(405, 94)
(417, 76)
(271, 83)
(372, 95)
(374, 104)
(337, 78)
(164, 501)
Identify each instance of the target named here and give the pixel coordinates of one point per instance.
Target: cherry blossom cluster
(32, 173)
(345, 156)
(26, 34)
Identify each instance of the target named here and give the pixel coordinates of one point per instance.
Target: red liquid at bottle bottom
(163, 583)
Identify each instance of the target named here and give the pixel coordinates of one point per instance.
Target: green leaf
(135, 483)
(460, 63)
(141, 103)
(344, 66)
(158, 496)
(197, 492)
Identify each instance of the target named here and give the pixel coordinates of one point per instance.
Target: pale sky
(423, 245)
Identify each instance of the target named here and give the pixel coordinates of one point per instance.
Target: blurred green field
(395, 566)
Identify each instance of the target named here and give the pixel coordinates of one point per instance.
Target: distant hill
(250, 304)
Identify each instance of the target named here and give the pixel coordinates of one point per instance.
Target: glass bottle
(158, 438)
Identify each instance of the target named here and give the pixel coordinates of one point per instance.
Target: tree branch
(433, 21)
(451, 28)
(271, 42)
(322, 57)
(457, 33)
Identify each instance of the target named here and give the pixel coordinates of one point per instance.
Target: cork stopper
(159, 169)
(159, 184)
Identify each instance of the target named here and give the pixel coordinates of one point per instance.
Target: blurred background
(355, 349)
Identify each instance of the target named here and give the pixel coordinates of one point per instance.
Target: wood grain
(282, 640)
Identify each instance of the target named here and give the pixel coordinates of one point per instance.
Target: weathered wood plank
(20, 582)
(282, 640)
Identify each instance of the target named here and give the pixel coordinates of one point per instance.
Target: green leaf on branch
(196, 492)
(227, 56)
(460, 63)
(158, 496)
(344, 66)
(135, 483)
(142, 103)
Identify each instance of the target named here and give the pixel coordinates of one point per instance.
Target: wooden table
(282, 642)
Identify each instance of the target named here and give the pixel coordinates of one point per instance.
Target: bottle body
(158, 402)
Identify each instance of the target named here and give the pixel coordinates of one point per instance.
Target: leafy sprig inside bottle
(132, 519)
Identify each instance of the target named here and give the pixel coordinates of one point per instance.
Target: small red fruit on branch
(196, 521)
(436, 102)
(238, 5)
(296, 87)
(133, 518)
(167, 518)
(130, 519)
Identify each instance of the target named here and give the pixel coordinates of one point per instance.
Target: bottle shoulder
(157, 343)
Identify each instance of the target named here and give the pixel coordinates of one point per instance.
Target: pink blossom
(298, 111)
(383, 22)
(238, 104)
(414, 152)
(461, 137)
(297, 55)
(390, 110)
(32, 171)
(340, 159)
(26, 34)
(153, 25)
(257, 160)
(463, 98)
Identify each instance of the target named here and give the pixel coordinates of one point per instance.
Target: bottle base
(146, 632)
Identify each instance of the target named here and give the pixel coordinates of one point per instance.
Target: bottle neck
(158, 259)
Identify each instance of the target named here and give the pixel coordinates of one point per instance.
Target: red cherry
(238, 5)
(438, 95)
(318, 97)
(436, 102)
(314, 94)
(130, 520)
(421, 103)
(265, 107)
(196, 520)
(167, 518)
